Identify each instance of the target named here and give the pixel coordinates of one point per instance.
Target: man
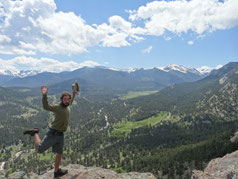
(55, 135)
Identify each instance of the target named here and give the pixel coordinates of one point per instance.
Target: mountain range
(102, 78)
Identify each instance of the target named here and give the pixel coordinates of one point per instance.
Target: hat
(75, 87)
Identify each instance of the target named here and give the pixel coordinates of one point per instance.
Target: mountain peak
(180, 68)
(21, 73)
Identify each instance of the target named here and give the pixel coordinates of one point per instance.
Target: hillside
(168, 133)
(214, 95)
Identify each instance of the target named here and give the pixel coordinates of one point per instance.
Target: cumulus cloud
(31, 26)
(182, 16)
(119, 23)
(42, 64)
(118, 32)
(147, 50)
(116, 40)
(190, 42)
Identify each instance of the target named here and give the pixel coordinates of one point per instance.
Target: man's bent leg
(37, 140)
(57, 161)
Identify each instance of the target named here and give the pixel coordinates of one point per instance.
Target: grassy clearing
(25, 90)
(134, 94)
(124, 128)
(47, 156)
(118, 169)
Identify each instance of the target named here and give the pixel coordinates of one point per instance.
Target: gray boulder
(81, 172)
(220, 168)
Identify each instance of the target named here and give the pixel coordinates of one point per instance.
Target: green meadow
(134, 94)
(124, 128)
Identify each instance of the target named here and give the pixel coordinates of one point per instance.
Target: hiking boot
(235, 137)
(60, 173)
(31, 132)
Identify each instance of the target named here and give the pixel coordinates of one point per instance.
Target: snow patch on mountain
(20, 74)
(180, 68)
(129, 70)
(204, 70)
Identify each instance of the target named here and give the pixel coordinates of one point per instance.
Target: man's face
(66, 100)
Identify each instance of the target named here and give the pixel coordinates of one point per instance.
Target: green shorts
(53, 139)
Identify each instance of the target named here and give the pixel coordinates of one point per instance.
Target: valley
(168, 132)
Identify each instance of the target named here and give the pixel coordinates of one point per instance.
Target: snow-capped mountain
(160, 76)
(204, 70)
(20, 74)
(7, 75)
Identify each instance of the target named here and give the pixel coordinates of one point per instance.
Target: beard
(64, 105)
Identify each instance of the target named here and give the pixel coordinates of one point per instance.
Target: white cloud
(119, 23)
(119, 32)
(181, 16)
(116, 40)
(190, 42)
(42, 64)
(147, 50)
(88, 64)
(167, 38)
(4, 38)
(31, 26)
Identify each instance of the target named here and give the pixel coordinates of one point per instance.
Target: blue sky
(48, 35)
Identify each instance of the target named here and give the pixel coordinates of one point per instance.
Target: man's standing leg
(57, 161)
(58, 149)
(58, 171)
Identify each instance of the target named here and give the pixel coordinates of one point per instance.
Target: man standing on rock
(55, 135)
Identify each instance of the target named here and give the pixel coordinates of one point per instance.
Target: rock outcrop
(220, 168)
(81, 172)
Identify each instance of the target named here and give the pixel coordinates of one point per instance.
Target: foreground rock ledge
(81, 172)
(220, 168)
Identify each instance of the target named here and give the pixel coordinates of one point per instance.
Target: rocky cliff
(81, 172)
(220, 168)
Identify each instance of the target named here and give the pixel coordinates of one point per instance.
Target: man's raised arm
(46, 106)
